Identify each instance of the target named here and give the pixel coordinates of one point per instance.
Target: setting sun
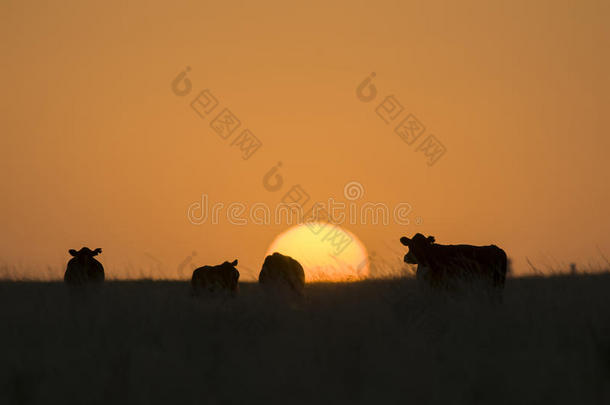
(326, 252)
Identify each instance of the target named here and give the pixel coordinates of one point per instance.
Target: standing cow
(439, 264)
(283, 273)
(211, 278)
(83, 268)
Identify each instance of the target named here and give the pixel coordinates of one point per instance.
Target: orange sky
(97, 150)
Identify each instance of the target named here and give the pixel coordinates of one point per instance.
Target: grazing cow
(438, 264)
(221, 277)
(282, 272)
(83, 268)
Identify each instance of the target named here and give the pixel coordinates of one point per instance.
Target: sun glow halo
(323, 257)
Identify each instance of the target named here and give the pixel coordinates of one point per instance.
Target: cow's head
(232, 264)
(85, 253)
(418, 247)
(230, 267)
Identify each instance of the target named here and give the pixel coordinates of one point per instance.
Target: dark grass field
(371, 342)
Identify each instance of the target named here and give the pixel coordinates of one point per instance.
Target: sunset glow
(320, 256)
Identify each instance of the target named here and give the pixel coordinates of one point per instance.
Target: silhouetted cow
(438, 264)
(282, 272)
(213, 278)
(83, 268)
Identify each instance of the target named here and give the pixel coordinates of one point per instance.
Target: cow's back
(279, 270)
(200, 275)
(215, 276)
(452, 253)
(487, 261)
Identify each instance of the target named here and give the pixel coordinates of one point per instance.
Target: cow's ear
(234, 263)
(96, 252)
(72, 252)
(431, 239)
(405, 241)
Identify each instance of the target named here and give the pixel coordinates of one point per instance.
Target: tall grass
(376, 341)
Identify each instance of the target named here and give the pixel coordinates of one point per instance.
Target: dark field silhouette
(361, 343)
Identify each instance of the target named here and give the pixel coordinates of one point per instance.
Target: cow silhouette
(440, 264)
(83, 268)
(223, 277)
(282, 273)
